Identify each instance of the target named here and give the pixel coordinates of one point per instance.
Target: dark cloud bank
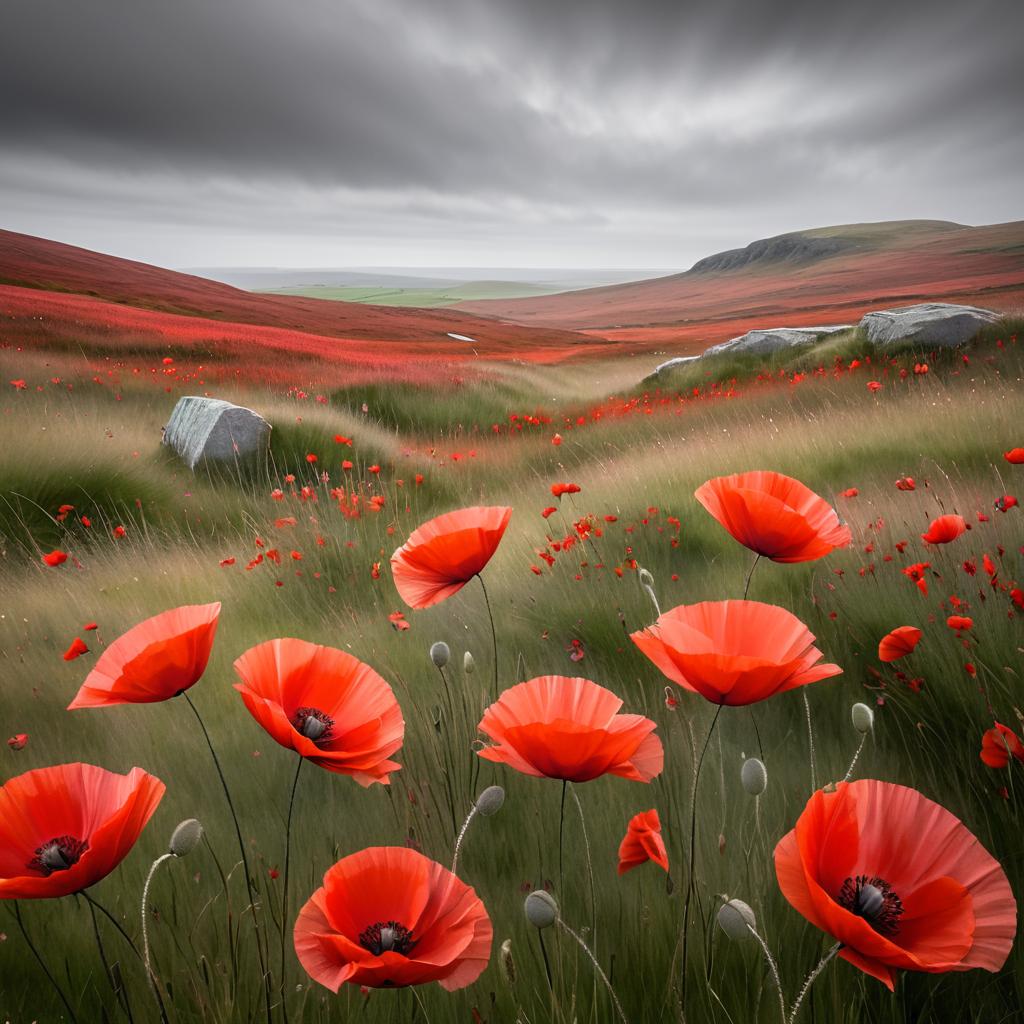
(369, 132)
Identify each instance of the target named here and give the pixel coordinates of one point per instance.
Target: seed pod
(440, 653)
(863, 718)
(754, 776)
(468, 664)
(734, 918)
(541, 909)
(490, 800)
(185, 838)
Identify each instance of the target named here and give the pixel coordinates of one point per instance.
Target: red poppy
(774, 515)
(18, 741)
(642, 842)
(76, 650)
(959, 622)
(153, 661)
(998, 744)
(559, 489)
(64, 828)
(1015, 455)
(906, 483)
(444, 554)
(1005, 503)
(324, 704)
(898, 880)
(899, 643)
(874, 385)
(389, 917)
(90, 626)
(562, 727)
(944, 529)
(55, 558)
(733, 652)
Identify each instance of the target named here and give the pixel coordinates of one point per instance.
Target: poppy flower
(444, 554)
(774, 515)
(1015, 456)
(389, 917)
(733, 652)
(18, 741)
(998, 744)
(559, 489)
(562, 727)
(153, 661)
(851, 492)
(324, 704)
(64, 828)
(874, 385)
(55, 558)
(1005, 503)
(906, 483)
(642, 842)
(899, 643)
(898, 880)
(959, 622)
(944, 529)
(76, 650)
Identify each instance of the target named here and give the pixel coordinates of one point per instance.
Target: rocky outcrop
(928, 323)
(773, 339)
(203, 429)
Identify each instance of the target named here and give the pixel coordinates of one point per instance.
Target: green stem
(42, 963)
(245, 859)
(494, 635)
(284, 888)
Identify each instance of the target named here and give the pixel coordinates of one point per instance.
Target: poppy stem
(819, 967)
(547, 964)
(114, 980)
(284, 888)
(810, 740)
(693, 847)
(461, 836)
(494, 635)
(746, 586)
(245, 859)
(856, 758)
(597, 968)
(774, 968)
(590, 867)
(151, 976)
(561, 829)
(42, 963)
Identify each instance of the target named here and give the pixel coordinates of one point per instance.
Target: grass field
(424, 298)
(85, 432)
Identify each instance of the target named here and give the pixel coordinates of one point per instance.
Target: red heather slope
(822, 276)
(36, 273)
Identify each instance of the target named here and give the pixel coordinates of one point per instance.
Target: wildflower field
(669, 621)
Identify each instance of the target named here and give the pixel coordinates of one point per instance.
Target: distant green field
(422, 297)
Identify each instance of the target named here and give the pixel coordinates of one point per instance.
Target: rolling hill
(826, 275)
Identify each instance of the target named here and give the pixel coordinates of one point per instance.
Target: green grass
(424, 298)
(947, 429)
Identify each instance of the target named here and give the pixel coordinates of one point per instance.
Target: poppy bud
(490, 800)
(863, 718)
(735, 918)
(508, 965)
(440, 653)
(541, 909)
(468, 664)
(185, 838)
(754, 776)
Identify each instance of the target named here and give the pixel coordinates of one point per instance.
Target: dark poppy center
(58, 854)
(313, 724)
(873, 899)
(387, 937)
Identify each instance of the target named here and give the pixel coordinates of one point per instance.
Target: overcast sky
(572, 133)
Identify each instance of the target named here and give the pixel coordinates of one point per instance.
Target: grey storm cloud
(348, 132)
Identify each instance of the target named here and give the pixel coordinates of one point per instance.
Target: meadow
(353, 470)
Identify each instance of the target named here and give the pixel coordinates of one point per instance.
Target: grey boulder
(209, 428)
(774, 339)
(670, 364)
(929, 323)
